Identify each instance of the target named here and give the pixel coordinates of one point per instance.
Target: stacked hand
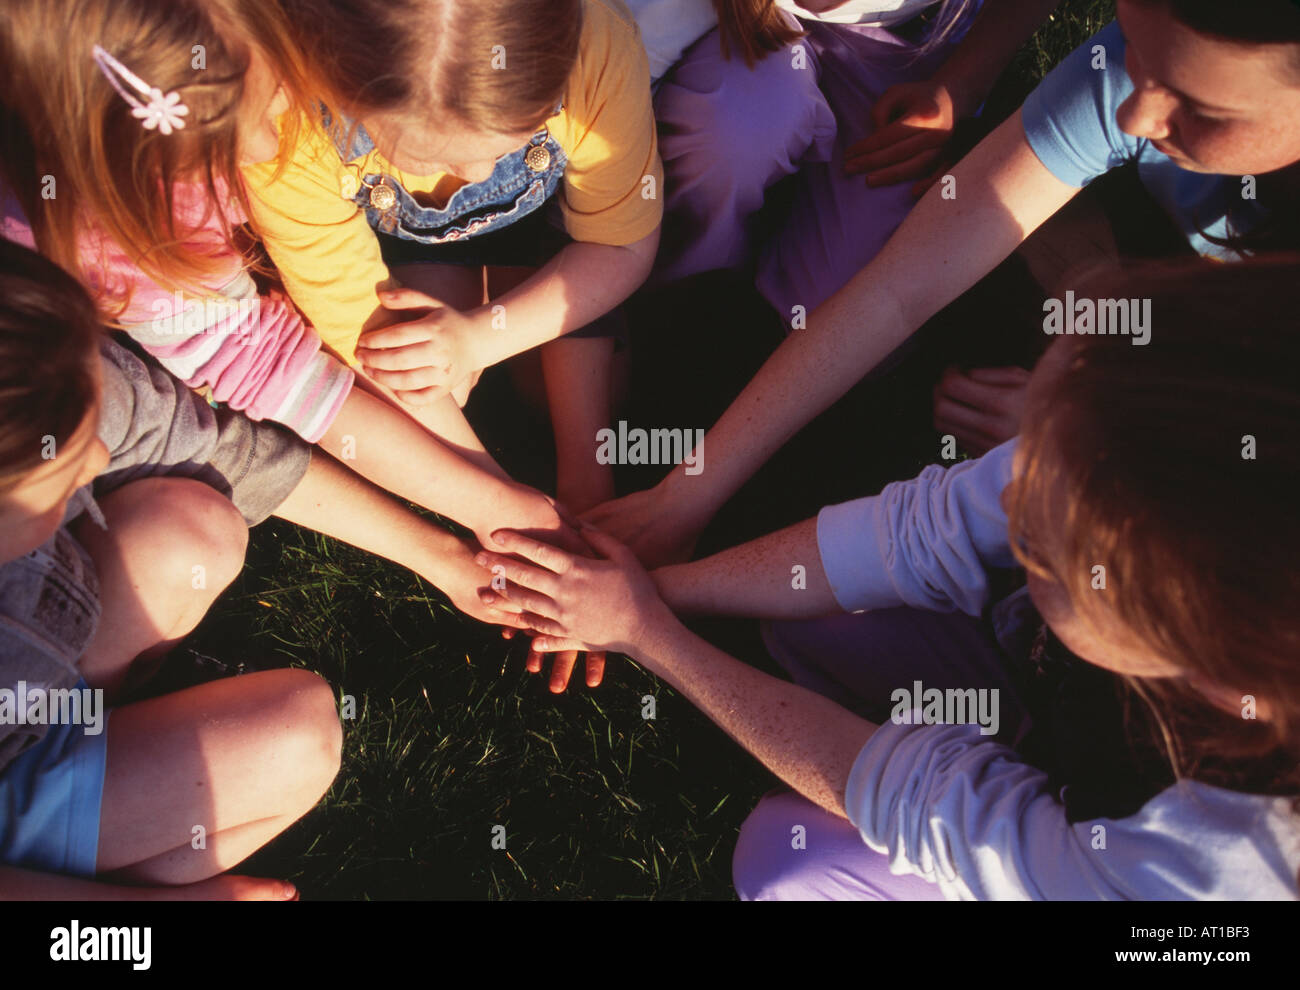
(428, 357)
(575, 602)
(654, 527)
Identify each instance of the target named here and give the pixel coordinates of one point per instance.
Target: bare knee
(312, 744)
(210, 538)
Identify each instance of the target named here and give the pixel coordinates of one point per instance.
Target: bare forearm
(807, 740)
(443, 419)
(778, 576)
(383, 444)
(332, 500)
(945, 246)
(1000, 28)
(580, 284)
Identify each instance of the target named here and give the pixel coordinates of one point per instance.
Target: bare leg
(240, 758)
(198, 780)
(171, 547)
(461, 287)
(578, 375)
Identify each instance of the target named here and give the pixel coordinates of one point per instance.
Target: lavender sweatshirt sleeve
(967, 813)
(927, 543)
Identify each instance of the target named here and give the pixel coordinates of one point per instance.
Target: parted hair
(499, 66)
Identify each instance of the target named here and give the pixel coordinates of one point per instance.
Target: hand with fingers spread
(981, 407)
(914, 123)
(428, 357)
(574, 602)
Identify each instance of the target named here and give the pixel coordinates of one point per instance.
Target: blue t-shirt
(1069, 121)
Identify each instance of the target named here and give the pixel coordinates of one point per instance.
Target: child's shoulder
(598, 11)
(608, 24)
(610, 53)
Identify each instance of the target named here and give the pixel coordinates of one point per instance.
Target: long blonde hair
(81, 165)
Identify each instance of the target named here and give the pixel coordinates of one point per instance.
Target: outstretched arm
(1000, 193)
(928, 542)
(807, 740)
(333, 500)
(385, 445)
(778, 576)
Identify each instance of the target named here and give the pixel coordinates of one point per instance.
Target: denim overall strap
(520, 183)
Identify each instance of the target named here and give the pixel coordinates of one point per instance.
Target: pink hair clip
(162, 112)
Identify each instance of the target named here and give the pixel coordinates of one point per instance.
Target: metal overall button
(382, 197)
(538, 156)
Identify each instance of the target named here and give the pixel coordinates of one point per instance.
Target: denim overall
(513, 191)
(499, 221)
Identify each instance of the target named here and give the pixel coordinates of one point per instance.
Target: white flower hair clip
(163, 112)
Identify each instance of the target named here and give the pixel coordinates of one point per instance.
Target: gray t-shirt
(153, 425)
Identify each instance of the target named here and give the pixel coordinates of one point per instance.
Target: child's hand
(228, 887)
(578, 603)
(530, 512)
(914, 123)
(546, 521)
(565, 661)
(463, 581)
(652, 526)
(427, 358)
(981, 407)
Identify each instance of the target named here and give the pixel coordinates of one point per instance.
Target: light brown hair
(753, 28)
(1181, 463)
(48, 331)
(61, 117)
(499, 66)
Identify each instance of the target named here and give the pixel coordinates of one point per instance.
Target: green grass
(452, 737)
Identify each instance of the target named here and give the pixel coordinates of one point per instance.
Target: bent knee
(787, 849)
(174, 534)
(312, 743)
(206, 537)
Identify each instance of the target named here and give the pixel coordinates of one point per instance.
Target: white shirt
(669, 27)
(879, 12)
